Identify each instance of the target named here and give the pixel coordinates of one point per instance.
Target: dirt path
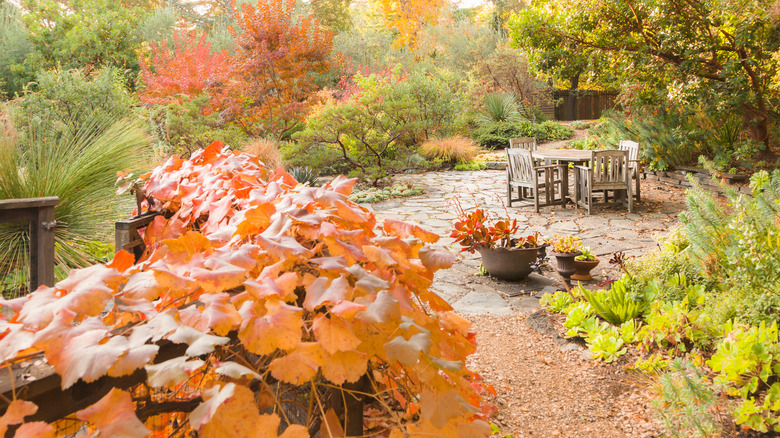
(548, 387)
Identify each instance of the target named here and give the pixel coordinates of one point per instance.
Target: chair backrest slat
(631, 147)
(609, 166)
(527, 143)
(520, 164)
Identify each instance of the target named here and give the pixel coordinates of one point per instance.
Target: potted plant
(565, 249)
(504, 255)
(583, 264)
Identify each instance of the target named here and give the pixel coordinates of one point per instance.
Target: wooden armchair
(609, 171)
(530, 179)
(527, 143)
(632, 148)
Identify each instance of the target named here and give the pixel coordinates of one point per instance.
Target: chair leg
(536, 198)
(509, 194)
(638, 193)
(630, 197)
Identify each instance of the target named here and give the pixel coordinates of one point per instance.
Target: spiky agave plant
(500, 107)
(79, 165)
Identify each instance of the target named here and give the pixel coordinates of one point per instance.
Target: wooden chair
(530, 179)
(609, 171)
(632, 148)
(527, 143)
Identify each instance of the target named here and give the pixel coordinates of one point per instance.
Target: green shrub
(66, 100)
(365, 130)
(471, 166)
(739, 248)
(496, 135)
(557, 302)
(747, 360)
(551, 131)
(183, 127)
(686, 402)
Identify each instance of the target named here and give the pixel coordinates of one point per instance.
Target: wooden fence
(39, 214)
(589, 104)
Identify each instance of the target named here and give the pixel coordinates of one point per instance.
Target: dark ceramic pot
(508, 264)
(565, 263)
(583, 268)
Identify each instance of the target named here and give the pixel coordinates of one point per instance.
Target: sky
(471, 3)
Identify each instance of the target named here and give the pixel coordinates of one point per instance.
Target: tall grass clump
(77, 163)
(265, 149)
(451, 149)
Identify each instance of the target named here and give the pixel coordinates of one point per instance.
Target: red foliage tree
(274, 60)
(189, 68)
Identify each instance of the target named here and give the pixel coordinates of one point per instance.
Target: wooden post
(127, 237)
(39, 213)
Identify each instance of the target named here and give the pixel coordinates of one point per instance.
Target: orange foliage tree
(406, 17)
(287, 303)
(188, 68)
(275, 58)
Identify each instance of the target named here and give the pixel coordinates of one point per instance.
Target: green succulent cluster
(397, 190)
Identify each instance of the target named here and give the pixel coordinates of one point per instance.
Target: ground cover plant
(702, 311)
(288, 300)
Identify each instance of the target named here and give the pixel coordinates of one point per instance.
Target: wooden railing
(39, 214)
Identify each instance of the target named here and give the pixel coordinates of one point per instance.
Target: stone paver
(609, 229)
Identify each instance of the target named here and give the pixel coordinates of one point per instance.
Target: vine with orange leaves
(289, 300)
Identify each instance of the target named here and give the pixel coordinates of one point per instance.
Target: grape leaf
(36, 429)
(441, 407)
(235, 371)
(408, 352)
(404, 230)
(299, 365)
(213, 398)
(114, 416)
(434, 259)
(15, 413)
(333, 334)
(320, 292)
(199, 343)
(344, 366)
(171, 372)
(265, 328)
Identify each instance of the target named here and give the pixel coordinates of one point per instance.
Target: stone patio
(609, 229)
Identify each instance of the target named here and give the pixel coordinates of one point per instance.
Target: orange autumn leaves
(265, 282)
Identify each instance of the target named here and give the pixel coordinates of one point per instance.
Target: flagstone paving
(609, 229)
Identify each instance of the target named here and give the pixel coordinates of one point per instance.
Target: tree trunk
(758, 121)
(572, 107)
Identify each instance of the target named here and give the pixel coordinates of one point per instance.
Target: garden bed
(678, 177)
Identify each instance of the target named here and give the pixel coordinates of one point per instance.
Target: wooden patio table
(575, 156)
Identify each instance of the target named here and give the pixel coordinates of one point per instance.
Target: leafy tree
(273, 66)
(15, 45)
(405, 18)
(66, 100)
(367, 128)
(333, 14)
(507, 70)
(718, 50)
(79, 33)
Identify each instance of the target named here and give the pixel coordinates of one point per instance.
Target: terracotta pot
(565, 263)
(509, 264)
(583, 268)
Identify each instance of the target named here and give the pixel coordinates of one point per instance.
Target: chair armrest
(582, 167)
(549, 166)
